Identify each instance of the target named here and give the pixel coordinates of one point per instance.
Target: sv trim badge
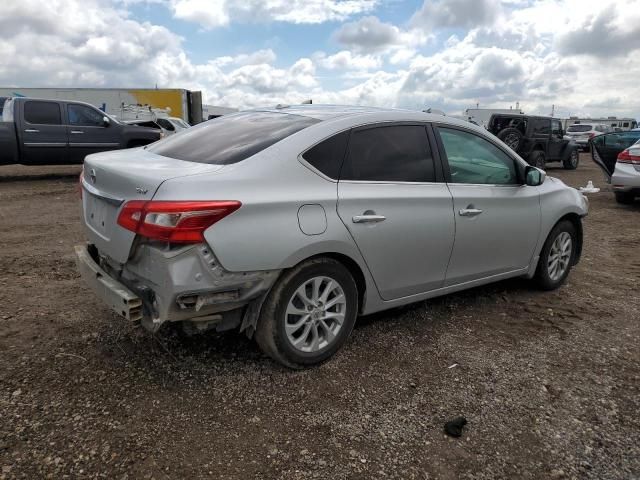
(141, 190)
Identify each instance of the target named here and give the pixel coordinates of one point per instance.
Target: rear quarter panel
(264, 234)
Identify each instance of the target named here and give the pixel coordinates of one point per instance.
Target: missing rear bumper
(117, 296)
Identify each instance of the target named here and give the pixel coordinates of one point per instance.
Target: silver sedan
(288, 223)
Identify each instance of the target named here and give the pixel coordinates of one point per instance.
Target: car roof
(328, 112)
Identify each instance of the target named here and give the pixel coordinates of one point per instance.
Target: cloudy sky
(581, 55)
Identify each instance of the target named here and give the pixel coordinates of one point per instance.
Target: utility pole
(553, 109)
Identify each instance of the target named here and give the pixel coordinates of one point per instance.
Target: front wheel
(309, 313)
(556, 258)
(571, 163)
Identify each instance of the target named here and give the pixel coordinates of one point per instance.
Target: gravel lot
(549, 382)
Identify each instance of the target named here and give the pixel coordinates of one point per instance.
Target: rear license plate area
(98, 215)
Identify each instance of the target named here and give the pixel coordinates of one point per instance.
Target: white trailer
(625, 123)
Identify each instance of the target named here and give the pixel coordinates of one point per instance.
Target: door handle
(31, 130)
(76, 131)
(368, 218)
(469, 212)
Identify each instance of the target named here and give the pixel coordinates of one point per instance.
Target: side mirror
(106, 121)
(534, 176)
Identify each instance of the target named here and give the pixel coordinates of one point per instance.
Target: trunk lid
(111, 179)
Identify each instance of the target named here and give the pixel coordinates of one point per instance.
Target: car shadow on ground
(171, 353)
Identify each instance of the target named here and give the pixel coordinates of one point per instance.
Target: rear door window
(396, 153)
(231, 138)
(541, 126)
(42, 113)
(327, 156)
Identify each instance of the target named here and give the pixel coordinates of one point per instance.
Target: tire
(537, 159)
(277, 342)
(571, 163)
(512, 137)
(624, 198)
(547, 276)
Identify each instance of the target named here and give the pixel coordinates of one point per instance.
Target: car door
(88, 132)
(556, 141)
(44, 136)
(605, 149)
(397, 209)
(497, 217)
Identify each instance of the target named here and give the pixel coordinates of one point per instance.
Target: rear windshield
(579, 128)
(231, 138)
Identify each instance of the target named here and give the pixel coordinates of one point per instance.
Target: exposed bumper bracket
(121, 300)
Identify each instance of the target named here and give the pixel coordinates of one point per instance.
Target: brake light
(175, 222)
(80, 178)
(591, 135)
(630, 156)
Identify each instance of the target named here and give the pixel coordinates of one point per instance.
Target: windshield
(231, 138)
(579, 128)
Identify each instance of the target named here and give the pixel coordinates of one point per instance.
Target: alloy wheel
(559, 256)
(315, 314)
(512, 140)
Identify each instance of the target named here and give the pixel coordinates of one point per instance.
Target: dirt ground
(549, 382)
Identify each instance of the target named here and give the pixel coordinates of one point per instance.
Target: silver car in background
(288, 223)
(581, 133)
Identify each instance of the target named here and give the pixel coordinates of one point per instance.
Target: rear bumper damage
(185, 284)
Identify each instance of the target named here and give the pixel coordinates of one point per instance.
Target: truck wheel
(624, 198)
(309, 313)
(512, 137)
(537, 159)
(571, 163)
(556, 257)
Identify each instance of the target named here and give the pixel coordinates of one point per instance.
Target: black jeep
(536, 139)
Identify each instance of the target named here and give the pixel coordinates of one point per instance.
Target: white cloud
(216, 13)
(456, 13)
(576, 54)
(369, 34)
(346, 60)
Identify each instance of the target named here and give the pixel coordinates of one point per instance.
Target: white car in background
(581, 133)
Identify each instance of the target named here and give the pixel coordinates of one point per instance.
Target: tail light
(175, 222)
(630, 155)
(591, 135)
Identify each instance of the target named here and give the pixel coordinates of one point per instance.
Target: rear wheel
(309, 313)
(537, 159)
(571, 163)
(556, 258)
(625, 198)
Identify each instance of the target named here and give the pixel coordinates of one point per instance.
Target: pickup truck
(49, 132)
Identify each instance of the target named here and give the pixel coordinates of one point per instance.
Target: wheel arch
(576, 220)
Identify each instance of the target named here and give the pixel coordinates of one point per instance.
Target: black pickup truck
(49, 132)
